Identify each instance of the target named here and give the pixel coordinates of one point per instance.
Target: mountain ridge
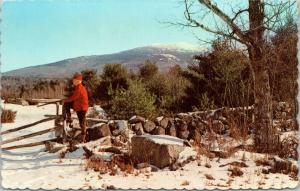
(164, 55)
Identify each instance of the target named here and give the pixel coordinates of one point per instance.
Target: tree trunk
(266, 137)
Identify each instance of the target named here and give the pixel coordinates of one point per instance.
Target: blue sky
(41, 32)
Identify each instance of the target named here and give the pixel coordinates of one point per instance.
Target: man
(79, 102)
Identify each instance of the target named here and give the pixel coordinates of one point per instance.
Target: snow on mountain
(183, 47)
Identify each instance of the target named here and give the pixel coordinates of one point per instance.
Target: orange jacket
(79, 98)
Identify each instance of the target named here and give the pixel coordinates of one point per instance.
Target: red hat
(77, 77)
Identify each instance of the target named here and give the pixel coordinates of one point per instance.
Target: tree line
(219, 78)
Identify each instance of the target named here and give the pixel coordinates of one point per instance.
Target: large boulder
(158, 150)
(98, 131)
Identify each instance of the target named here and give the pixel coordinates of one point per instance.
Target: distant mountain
(165, 56)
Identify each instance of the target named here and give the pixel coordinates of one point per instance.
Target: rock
(187, 143)
(53, 147)
(18, 101)
(137, 119)
(159, 131)
(158, 120)
(201, 127)
(192, 125)
(108, 187)
(99, 130)
(122, 128)
(171, 131)
(32, 102)
(112, 125)
(182, 126)
(112, 149)
(96, 112)
(88, 153)
(187, 118)
(49, 145)
(140, 131)
(137, 126)
(147, 165)
(24, 102)
(181, 115)
(142, 165)
(174, 167)
(154, 168)
(164, 123)
(157, 150)
(104, 130)
(183, 134)
(149, 126)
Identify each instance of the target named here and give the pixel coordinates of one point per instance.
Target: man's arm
(73, 97)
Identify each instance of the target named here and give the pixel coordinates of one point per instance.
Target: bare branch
(278, 9)
(242, 36)
(238, 13)
(193, 23)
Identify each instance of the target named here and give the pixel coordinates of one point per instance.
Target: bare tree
(248, 26)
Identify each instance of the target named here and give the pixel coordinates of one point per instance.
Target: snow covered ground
(33, 168)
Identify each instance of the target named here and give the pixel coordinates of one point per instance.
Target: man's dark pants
(80, 114)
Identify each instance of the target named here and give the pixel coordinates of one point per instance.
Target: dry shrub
(202, 151)
(238, 124)
(209, 177)
(207, 165)
(185, 183)
(263, 161)
(278, 166)
(230, 151)
(221, 185)
(284, 166)
(235, 171)
(8, 116)
(235, 132)
(229, 181)
(62, 155)
(98, 165)
(118, 142)
(288, 147)
(123, 162)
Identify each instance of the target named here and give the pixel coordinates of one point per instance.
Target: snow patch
(164, 139)
(182, 46)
